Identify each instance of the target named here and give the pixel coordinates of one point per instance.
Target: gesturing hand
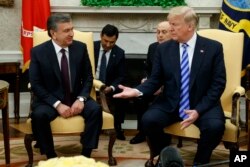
(127, 92)
(192, 117)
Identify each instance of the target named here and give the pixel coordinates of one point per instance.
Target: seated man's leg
(41, 117)
(153, 122)
(119, 109)
(140, 106)
(212, 131)
(92, 113)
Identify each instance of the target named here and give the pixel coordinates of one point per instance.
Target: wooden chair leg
(179, 145)
(112, 137)
(28, 138)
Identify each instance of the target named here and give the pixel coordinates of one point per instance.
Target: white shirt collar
(101, 48)
(58, 48)
(191, 43)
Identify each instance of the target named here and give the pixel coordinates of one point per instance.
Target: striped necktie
(102, 74)
(184, 96)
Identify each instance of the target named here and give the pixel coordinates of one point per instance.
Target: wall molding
(127, 9)
(11, 56)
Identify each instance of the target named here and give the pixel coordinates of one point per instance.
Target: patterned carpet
(127, 155)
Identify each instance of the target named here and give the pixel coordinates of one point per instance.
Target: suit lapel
(52, 57)
(111, 60)
(72, 60)
(175, 59)
(97, 50)
(199, 52)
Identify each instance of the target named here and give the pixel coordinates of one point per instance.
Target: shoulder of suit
(201, 39)
(97, 42)
(43, 45)
(118, 48)
(154, 44)
(75, 42)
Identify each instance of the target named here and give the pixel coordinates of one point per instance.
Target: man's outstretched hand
(127, 92)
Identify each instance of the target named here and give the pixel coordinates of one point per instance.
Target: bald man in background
(141, 104)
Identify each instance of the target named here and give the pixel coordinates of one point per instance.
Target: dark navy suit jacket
(150, 58)
(116, 71)
(45, 74)
(207, 78)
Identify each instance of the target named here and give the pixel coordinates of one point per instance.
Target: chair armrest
(31, 98)
(100, 86)
(238, 92)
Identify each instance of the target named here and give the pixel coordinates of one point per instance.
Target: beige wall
(10, 21)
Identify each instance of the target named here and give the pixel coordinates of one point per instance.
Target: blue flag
(235, 17)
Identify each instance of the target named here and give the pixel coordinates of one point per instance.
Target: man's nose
(71, 33)
(108, 44)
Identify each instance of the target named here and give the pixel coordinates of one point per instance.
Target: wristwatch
(82, 99)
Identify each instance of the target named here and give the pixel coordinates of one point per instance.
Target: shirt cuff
(56, 103)
(138, 92)
(113, 88)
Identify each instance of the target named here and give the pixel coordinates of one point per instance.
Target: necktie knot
(62, 51)
(185, 45)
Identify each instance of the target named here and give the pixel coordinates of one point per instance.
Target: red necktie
(65, 78)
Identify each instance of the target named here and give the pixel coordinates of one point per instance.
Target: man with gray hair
(192, 70)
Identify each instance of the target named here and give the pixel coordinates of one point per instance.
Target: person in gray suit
(205, 81)
(61, 79)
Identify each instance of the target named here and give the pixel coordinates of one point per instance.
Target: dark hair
(56, 18)
(110, 31)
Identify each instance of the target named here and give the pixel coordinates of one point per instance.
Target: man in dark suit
(61, 79)
(142, 104)
(205, 80)
(113, 73)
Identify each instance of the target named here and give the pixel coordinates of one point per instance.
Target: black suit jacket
(207, 78)
(115, 74)
(150, 58)
(45, 74)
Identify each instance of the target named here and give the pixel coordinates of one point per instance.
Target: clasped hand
(67, 111)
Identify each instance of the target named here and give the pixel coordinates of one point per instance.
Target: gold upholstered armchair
(233, 51)
(75, 124)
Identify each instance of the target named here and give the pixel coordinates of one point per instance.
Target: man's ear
(52, 33)
(190, 27)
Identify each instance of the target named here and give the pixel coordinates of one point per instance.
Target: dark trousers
(141, 106)
(118, 108)
(43, 114)
(154, 120)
